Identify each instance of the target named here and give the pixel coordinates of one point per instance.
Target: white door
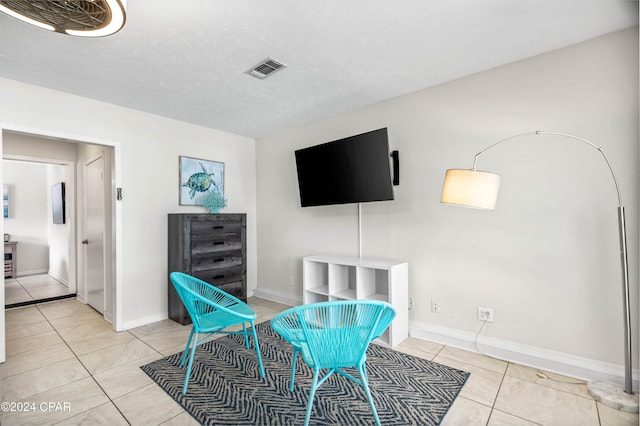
(94, 227)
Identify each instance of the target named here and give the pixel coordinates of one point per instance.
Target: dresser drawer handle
(219, 260)
(218, 227)
(218, 243)
(217, 277)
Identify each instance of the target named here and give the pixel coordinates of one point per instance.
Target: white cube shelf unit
(328, 278)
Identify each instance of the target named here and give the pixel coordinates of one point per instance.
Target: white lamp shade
(470, 188)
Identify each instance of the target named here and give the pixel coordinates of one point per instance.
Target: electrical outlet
(291, 283)
(435, 306)
(411, 303)
(485, 314)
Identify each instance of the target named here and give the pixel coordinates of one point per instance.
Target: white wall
(58, 233)
(147, 149)
(546, 261)
(24, 146)
(28, 219)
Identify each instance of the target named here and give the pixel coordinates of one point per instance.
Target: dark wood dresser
(211, 247)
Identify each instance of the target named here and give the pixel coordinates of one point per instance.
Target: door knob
(85, 241)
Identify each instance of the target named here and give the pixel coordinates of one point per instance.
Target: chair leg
(293, 368)
(365, 385)
(257, 345)
(246, 338)
(193, 352)
(186, 349)
(312, 393)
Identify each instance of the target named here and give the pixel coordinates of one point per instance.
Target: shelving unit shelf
(330, 278)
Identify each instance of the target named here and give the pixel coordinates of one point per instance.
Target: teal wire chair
(212, 311)
(333, 336)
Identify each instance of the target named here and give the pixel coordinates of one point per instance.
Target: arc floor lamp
(474, 188)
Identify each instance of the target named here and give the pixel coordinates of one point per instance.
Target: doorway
(37, 241)
(80, 264)
(94, 227)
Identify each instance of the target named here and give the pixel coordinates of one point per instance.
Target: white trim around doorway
(118, 320)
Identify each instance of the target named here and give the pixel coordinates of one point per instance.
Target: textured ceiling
(187, 59)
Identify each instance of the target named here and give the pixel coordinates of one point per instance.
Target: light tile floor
(32, 287)
(66, 361)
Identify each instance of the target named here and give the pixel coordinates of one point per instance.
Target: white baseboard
(65, 282)
(31, 272)
(556, 362)
(144, 321)
(285, 299)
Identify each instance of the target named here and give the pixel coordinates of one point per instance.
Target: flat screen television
(350, 170)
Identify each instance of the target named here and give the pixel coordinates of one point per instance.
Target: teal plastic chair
(333, 336)
(212, 311)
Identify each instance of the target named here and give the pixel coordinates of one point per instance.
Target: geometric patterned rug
(226, 388)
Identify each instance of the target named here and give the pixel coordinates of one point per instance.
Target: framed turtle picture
(5, 200)
(201, 183)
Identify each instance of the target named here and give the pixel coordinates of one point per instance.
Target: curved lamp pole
(473, 188)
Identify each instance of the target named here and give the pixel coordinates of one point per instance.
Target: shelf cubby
(329, 278)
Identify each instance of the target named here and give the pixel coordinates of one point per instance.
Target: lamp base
(613, 396)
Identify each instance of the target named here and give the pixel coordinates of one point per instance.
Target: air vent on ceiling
(266, 68)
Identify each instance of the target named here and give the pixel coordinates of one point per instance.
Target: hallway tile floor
(32, 287)
(66, 360)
